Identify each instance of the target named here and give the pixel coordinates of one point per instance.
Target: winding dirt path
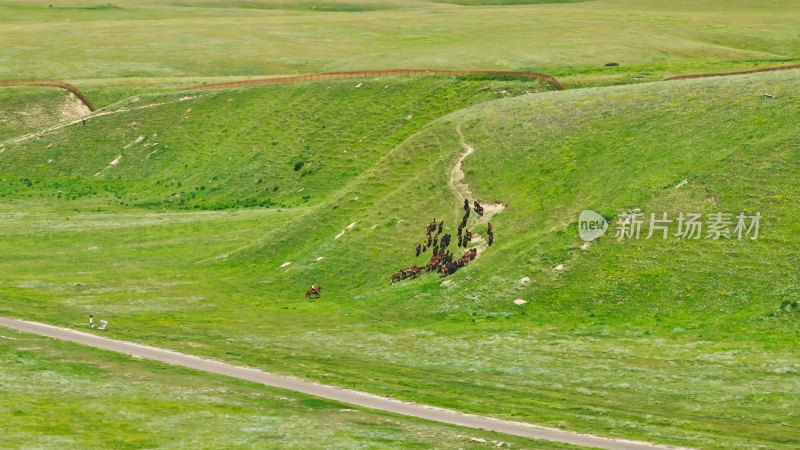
(462, 191)
(320, 390)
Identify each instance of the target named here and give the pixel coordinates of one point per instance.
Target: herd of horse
(441, 260)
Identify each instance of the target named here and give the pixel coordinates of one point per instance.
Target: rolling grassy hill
(687, 342)
(269, 146)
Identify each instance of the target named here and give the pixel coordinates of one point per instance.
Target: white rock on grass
(560, 267)
(524, 280)
(519, 301)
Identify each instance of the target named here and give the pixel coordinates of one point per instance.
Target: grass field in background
(673, 322)
(648, 39)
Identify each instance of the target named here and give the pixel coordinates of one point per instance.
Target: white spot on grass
(339, 235)
(586, 245)
(320, 258)
(351, 225)
(524, 280)
(348, 410)
(519, 301)
(115, 161)
(477, 440)
(559, 267)
(359, 85)
(135, 141)
(285, 264)
(682, 183)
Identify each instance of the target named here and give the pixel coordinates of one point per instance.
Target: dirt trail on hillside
(85, 119)
(462, 191)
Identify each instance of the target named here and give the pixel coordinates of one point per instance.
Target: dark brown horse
(311, 292)
(478, 208)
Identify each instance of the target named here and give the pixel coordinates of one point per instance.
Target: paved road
(319, 390)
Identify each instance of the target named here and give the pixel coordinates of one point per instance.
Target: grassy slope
(26, 109)
(58, 394)
(671, 322)
(195, 38)
(273, 145)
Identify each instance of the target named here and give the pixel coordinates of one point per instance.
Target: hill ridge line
(49, 82)
(725, 74)
(343, 395)
(381, 73)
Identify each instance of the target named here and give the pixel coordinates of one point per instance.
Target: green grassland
(678, 342)
(58, 394)
(173, 215)
(80, 39)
